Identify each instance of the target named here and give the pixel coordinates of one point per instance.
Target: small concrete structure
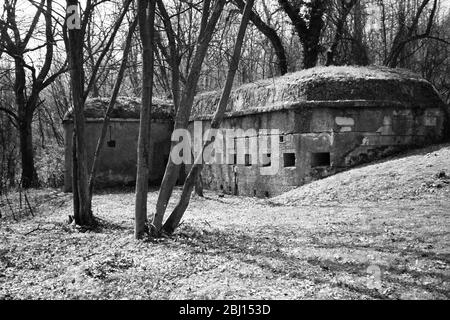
(329, 118)
(117, 163)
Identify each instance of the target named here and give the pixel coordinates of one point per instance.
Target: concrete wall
(324, 141)
(316, 141)
(117, 165)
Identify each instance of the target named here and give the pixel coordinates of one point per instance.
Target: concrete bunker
(329, 119)
(117, 163)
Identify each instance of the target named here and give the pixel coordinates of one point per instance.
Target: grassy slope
(316, 242)
(411, 176)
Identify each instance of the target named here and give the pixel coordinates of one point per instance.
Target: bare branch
(34, 22)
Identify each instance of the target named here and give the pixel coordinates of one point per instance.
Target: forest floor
(379, 231)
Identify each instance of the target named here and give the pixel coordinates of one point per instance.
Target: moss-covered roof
(321, 86)
(124, 108)
(346, 86)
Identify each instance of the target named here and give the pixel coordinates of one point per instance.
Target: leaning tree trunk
(183, 113)
(146, 17)
(174, 219)
(271, 35)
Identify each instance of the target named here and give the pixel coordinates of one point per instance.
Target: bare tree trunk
(146, 18)
(359, 51)
(29, 177)
(174, 55)
(119, 79)
(311, 46)
(199, 186)
(344, 10)
(74, 43)
(409, 33)
(27, 91)
(103, 53)
(76, 199)
(383, 28)
(174, 219)
(84, 215)
(271, 35)
(184, 110)
(308, 30)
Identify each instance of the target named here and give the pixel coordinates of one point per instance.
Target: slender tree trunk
(184, 111)
(76, 199)
(175, 58)
(174, 219)
(408, 33)
(83, 216)
(146, 17)
(271, 35)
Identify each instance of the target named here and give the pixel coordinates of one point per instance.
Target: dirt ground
(376, 232)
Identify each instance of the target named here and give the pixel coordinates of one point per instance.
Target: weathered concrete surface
(397, 86)
(117, 164)
(124, 108)
(368, 135)
(329, 118)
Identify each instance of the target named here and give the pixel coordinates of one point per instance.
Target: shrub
(50, 165)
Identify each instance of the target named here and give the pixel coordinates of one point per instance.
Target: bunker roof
(124, 108)
(346, 86)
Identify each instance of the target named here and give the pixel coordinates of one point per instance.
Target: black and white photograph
(220, 156)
